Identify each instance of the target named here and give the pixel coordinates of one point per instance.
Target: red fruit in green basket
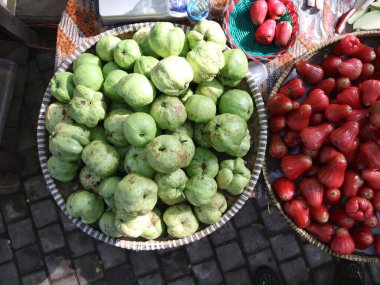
(298, 119)
(332, 196)
(332, 174)
(349, 45)
(327, 153)
(294, 165)
(292, 139)
(312, 171)
(317, 99)
(350, 96)
(376, 245)
(343, 137)
(376, 201)
(352, 183)
(371, 222)
(334, 112)
(299, 211)
(366, 192)
(276, 124)
(372, 178)
(367, 133)
(283, 32)
(371, 152)
(330, 65)
(312, 153)
(320, 214)
(277, 148)
(362, 236)
(279, 104)
(312, 190)
(284, 189)
(323, 232)
(294, 88)
(265, 32)
(342, 83)
(339, 217)
(342, 242)
(312, 73)
(258, 11)
(295, 104)
(351, 68)
(327, 85)
(359, 208)
(358, 115)
(370, 91)
(351, 153)
(375, 114)
(317, 119)
(276, 9)
(365, 53)
(367, 71)
(314, 137)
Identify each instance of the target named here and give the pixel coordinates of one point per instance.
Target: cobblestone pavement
(38, 245)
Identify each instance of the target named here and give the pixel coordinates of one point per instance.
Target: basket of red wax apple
(323, 166)
(263, 29)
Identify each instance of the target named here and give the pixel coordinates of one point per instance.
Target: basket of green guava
(152, 135)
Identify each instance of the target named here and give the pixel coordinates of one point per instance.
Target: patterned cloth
(81, 21)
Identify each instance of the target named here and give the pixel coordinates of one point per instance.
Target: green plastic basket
(240, 31)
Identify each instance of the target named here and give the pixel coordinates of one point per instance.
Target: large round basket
(254, 159)
(270, 166)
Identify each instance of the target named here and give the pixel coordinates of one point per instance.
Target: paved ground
(38, 245)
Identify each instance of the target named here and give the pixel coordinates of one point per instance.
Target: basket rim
(42, 145)
(293, 11)
(361, 257)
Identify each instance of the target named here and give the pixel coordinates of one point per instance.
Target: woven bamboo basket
(315, 55)
(254, 159)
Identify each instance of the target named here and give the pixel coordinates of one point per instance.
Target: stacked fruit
(264, 14)
(328, 141)
(146, 129)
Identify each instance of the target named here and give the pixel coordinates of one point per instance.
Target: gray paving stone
(35, 91)
(262, 203)
(100, 282)
(32, 163)
(2, 228)
(273, 221)
(68, 225)
(36, 278)
(150, 279)
(262, 258)
(14, 207)
(59, 264)
(33, 71)
(44, 213)
(229, 256)
(284, 246)
(121, 275)
(316, 256)
(9, 183)
(111, 256)
(72, 280)
(48, 75)
(246, 216)
(187, 280)
(29, 259)
(374, 269)
(35, 188)
(9, 274)
(143, 261)
(26, 139)
(5, 250)
(253, 239)
(88, 269)
(174, 265)
(80, 243)
(324, 275)
(199, 251)
(207, 273)
(21, 233)
(367, 275)
(46, 60)
(51, 238)
(298, 276)
(240, 276)
(223, 234)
